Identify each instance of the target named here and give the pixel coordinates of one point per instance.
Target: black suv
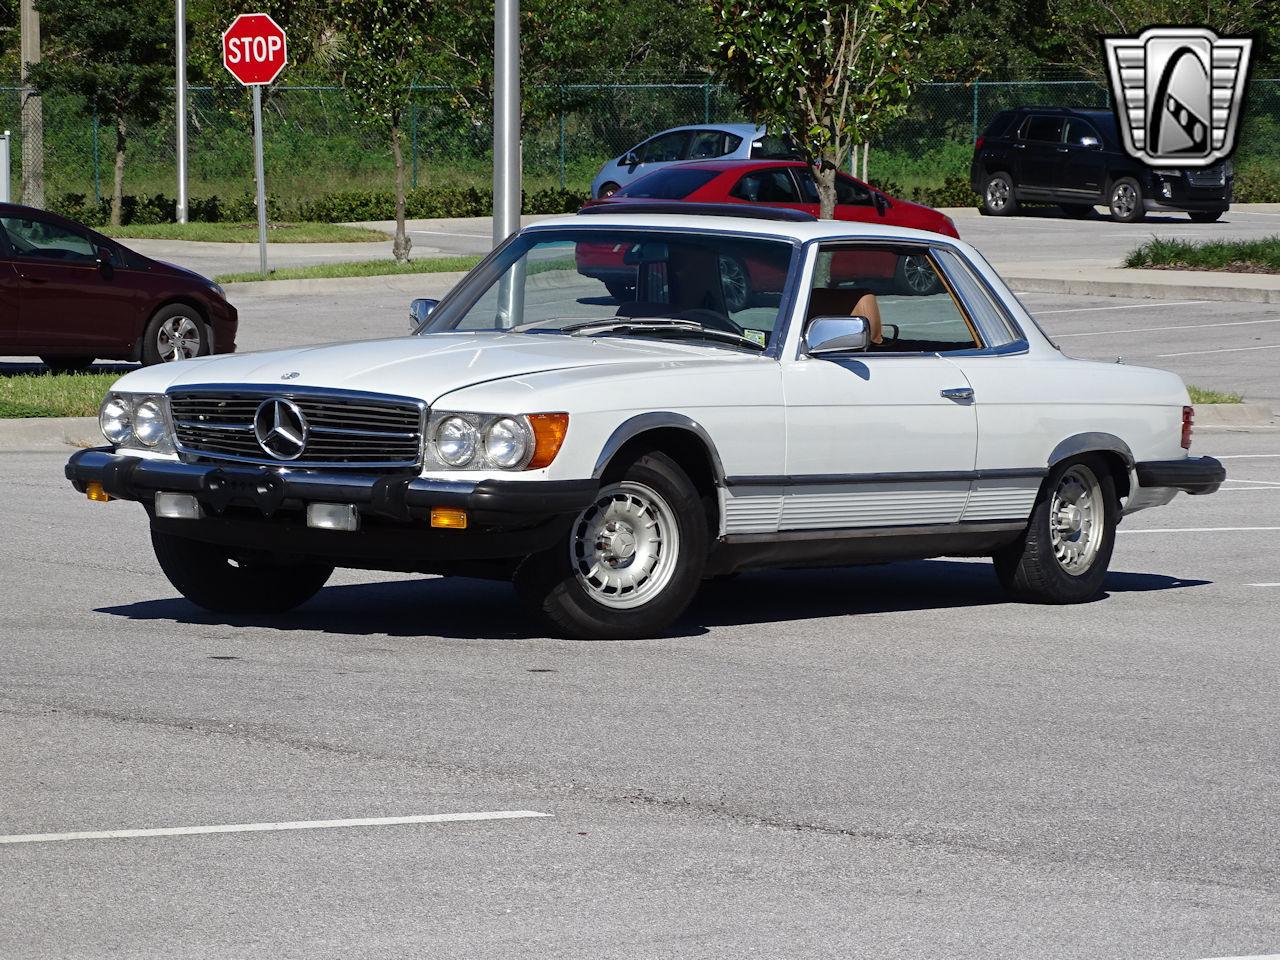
(1075, 158)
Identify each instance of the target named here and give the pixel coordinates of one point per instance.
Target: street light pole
(32, 109)
(180, 47)
(506, 119)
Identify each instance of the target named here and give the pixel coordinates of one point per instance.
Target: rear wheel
(1126, 201)
(1063, 556)
(1204, 216)
(607, 190)
(67, 364)
(997, 195)
(631, 561)
(915, 277)
(1077, 211)
(225, 581)
(176, 332)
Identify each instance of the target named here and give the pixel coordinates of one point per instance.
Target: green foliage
(54, 395)
(1201, 395)
(1257, 182)
(357, 268)
(1237, 256)
(246, 232)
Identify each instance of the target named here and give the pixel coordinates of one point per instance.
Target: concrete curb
(59, 434)
(1145, 288)
(417, 284)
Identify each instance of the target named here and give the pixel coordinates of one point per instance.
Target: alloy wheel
(624, 547)
(997, 194)
(1076, 521)
(178, 339)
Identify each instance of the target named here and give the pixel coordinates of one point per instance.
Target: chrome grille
(1214, 176)
(343, 429)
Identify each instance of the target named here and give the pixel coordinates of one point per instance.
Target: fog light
(93, 490)
(333, 516)
(448, 518)
(178, 506)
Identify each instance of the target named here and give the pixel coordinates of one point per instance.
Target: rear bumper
(1193, 475)
(262, 508)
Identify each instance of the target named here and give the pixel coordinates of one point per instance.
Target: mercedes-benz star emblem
(281, 428)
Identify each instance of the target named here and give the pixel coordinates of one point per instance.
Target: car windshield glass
(670, 184)
(609, 281)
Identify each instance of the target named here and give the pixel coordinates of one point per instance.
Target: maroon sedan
(789, 185)
(69, 296)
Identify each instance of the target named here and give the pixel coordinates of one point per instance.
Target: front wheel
(997, 195)
(227, 581)
(176, 332)
(630, 563)
(1063, 556)
(1204, 216)
(607, 190)
(1126, 201)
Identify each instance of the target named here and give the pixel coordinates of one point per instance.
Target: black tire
(915, 277)
(67, 364)
(176, 332)
(215, 578)
(1031, 570)
(1077, 211)
(998, 198)
(551, 585)
(607, 190)
(1204, 216)
(1125, 201)
(620, 290)
(735, 283)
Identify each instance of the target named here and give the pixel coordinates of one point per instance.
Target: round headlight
(506, 443)
(456, 441)
(116, 419)
(148, 423)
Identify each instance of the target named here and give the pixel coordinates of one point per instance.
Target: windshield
(626, 282)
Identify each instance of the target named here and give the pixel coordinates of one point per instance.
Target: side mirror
(419, 310)
(881, 202)
(102, 256)
(1092, 143)
(629, 159)
(826, 335)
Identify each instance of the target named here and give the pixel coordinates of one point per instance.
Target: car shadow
(1054, 213)
(460, 608)
(27, 368)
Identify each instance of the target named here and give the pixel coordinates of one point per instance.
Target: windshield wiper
(660, 326)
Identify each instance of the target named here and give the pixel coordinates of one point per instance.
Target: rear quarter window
(999, 126)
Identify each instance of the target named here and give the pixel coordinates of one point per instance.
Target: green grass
(1252, 256)
(246, 232)
(1200, 395)
(356, 268)
(54, 394)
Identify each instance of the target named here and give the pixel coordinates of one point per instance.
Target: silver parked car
(710, 141)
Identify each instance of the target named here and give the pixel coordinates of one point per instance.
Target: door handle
(1062, 150)
(31, 279)
(958, 393)
(1020, 146)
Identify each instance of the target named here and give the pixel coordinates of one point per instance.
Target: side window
(664, 149)
(1043, 129)
(808, 188)
(767, 186)
(771, 147)
(1081, 133)
(860, 280)
(48, 241)
(851, 193)
(706, 144)
(991, 318)
(731, 143)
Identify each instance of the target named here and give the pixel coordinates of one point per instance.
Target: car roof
(721, 165)
(802, 231)
(741, 129)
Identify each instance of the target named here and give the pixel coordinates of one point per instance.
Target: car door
(70, 303)
(885, 436)
(655, 152)
(1083, 171)
(10, 302)
(1038, 152)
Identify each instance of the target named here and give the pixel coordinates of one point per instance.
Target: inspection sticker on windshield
(758, 336)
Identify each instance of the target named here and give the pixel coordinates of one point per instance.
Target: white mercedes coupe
(617, 405)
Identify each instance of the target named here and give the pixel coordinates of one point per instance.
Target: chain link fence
(315, 144)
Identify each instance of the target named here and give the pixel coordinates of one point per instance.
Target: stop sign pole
(254, 51)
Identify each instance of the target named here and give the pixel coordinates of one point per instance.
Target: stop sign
(254, 49)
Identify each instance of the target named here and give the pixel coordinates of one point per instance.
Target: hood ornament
(291, 375)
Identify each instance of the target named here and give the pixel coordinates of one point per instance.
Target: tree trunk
(117, 187)
(400, 248)
(824, 174)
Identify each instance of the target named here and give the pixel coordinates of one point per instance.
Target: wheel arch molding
(1107, 444)
(658, 423)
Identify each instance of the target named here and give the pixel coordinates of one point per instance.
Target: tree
(376, 48)
(832, 75)
(118, 57)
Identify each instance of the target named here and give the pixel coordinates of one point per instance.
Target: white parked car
(759, 396)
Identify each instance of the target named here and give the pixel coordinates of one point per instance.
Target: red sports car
(775, 183)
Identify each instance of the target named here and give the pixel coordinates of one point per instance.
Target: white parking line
(1199, 530)
(1196, 353)
(1263, 584)
(1254, 956)
(1249, 456)
(1178, 326)
(1265, 483)
(261, 827)
(1126, 306)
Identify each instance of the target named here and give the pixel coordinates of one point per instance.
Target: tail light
(1188, 418)
(977, 144)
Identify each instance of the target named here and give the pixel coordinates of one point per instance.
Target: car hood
(424, 367)
(182, 271)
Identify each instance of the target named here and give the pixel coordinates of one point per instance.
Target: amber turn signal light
(93, 490)
(549, 430)
(448, 518)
